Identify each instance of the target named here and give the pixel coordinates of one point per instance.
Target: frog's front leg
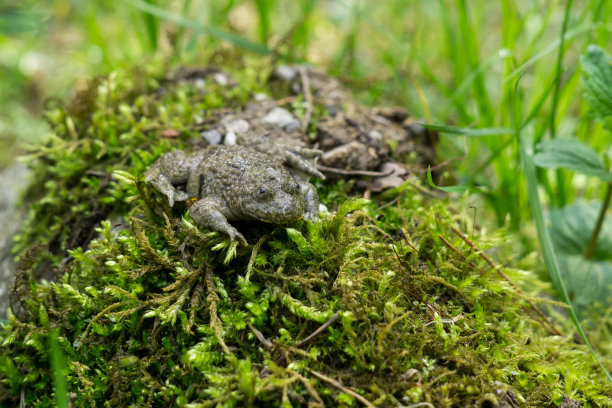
(171, 168)
(296, 161)
(208, 212)
(311, 201)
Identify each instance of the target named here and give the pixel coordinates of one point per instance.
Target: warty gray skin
(233, 183)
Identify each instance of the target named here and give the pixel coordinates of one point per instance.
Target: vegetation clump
(371, 305)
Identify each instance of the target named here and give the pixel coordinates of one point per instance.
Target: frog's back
(228, 172)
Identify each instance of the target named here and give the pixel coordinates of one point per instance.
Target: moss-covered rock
(372, 305)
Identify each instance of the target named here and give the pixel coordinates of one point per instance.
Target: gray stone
(221, 78)
(260, 97)
(237, 126)
(213, 137)
(12, 180)
(285, 72)
(282, 118)
(230, 138)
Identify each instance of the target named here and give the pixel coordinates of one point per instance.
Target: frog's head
(275, 200)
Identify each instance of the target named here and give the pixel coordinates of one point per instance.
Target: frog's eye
(263, 193)
(292, 188)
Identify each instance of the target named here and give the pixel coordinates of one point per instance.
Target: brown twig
(266, 343)
(343, 172)
(389, 204)
(97, 173)
(497, 269)
(288, 99)
(320, 330)
(311, 390)
(280, 360)
(307, 98)
(459, 254)
(341, 387)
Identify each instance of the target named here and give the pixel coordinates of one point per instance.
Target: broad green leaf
(469, 132)
(597, 80)
(570, 154)
(588, 280)
(15, 22)
(571, 228)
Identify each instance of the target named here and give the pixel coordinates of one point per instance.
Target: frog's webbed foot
(208, 212)
(162, 184)
(171, 168)
(296, 161)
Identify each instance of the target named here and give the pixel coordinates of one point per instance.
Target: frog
(233, 182)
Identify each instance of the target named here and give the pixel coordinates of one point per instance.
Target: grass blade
(469, 132)
(213, 31)
(551, 47)
(558, 70)
(58, 367)
(562, 194)
(263, 9)
(151, 27)
(470, 45)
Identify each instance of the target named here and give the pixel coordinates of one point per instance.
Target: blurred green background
(450, 62)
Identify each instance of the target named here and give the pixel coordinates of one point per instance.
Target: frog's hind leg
(171, 169)
(208, 212)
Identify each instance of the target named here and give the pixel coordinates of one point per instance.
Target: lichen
(368, 305)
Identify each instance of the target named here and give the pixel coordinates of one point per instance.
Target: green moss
(159, 312)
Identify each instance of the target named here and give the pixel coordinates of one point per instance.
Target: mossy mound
(366, 306)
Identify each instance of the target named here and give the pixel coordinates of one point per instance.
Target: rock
(213, 136)
(230, 138)
(237, 126)
(282, 118)
(351, 156)
(11, 180)
(197, 76)
(395, 114)
(285, 72)
(506, 397)
(221, 78)
(260, 97)
(569, 403)
(199, 83)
